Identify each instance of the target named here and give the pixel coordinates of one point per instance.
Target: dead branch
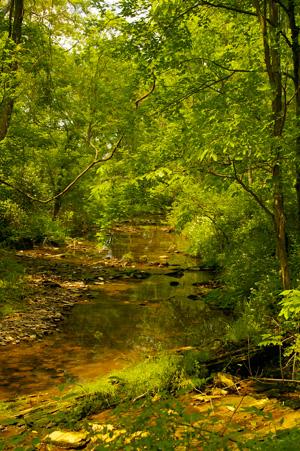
(274, 380)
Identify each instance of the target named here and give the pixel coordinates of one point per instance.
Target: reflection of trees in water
(179, 322)
(102, 325)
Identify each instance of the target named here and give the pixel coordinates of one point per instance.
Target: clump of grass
(163, 375)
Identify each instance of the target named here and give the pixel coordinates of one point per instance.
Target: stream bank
(139, 300)
(153, 405)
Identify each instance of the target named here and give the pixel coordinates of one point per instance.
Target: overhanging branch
(144, 97)
(93, 163)
(71, 184)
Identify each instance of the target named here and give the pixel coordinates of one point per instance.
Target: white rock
(67, 439)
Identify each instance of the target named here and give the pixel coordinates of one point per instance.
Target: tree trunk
(56, 207)
(271, 39)
(6, 108)
(296, 79)
(280, 229)
(16, 12)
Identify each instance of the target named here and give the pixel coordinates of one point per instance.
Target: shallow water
(124, 321)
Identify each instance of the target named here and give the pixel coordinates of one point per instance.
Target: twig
(143, 395)
(233, 413)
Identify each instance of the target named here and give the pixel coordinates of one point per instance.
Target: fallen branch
(271, 380)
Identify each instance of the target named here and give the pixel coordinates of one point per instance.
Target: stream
(122, 320)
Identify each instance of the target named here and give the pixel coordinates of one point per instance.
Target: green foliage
(253, 313)
(20, 224)
(42, 228)
(11, 284)
(285, 331)
(282, 441)
(228, 231)
(162, 375)
(290, 305)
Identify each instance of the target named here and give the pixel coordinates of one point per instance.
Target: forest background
(186, 111)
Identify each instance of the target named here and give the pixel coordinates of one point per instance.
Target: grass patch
(163, 375)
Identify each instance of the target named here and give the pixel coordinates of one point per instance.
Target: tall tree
(218, 74)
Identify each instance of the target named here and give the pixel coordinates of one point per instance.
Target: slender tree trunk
(280, 228)
(6, 108)
(56, 208)
(16, 12)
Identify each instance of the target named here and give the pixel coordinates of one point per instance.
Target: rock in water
(67, 439)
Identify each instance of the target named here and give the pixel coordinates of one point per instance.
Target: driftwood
(233, 357)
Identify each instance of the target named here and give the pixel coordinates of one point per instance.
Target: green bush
(18, 224)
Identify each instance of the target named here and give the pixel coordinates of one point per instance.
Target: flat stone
(67, 439)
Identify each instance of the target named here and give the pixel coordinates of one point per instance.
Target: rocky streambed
(57, 279)
(87, 312)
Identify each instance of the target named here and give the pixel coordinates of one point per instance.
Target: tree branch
(228, 8)
(139, 101)
(214, 5)
(93, 163)
(71, 184)
(202, 87)
(280, 3)
(251, 192)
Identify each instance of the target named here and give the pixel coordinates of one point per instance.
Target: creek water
(124, 321)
